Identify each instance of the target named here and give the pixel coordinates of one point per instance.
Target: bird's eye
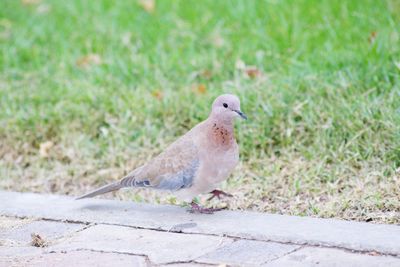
(225, 105)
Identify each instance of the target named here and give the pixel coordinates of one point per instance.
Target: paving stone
(248, 253)
(330, 257)
(76, 259)
(46, 229)
(258, 226)
(10, 251)
(190, 264)
(160, 247)
(7, 223)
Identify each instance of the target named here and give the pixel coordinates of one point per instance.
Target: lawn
(91, 89)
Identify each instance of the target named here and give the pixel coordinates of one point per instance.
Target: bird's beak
(241, 114)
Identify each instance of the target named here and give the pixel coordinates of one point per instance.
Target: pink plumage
(195, 163)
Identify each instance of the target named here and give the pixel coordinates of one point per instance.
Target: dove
(196, 163)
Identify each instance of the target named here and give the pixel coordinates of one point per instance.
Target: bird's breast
(221, 136)
(218, 151)
(218, 164)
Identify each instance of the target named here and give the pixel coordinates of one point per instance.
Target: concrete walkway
(96, 232)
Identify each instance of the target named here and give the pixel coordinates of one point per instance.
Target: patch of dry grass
(285, 184)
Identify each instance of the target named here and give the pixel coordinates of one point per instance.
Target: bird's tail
(102, 190)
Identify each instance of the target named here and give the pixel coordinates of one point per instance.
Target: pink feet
(218, 193)
(196, 208)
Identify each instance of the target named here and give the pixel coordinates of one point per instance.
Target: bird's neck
(221, 133)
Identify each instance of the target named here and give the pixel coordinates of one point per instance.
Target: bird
(196, 163)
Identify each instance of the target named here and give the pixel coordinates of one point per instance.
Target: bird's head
(227, 107)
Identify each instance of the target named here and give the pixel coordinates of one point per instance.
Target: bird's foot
(196, 208)
(218, 193)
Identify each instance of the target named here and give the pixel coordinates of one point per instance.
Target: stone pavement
(97, 232)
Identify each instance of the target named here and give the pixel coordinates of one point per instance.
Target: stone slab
(330, 257)
(76, 259)
(48, 230)
(160, 247)
(247, 253)
(7, 251)
(259, 226)
(190, 264)
(7, 223)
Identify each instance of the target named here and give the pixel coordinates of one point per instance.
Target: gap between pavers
(384, 239)
(76, 259)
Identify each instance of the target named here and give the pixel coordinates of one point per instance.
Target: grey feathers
(102, 190)
(182, 179)
(168, 181)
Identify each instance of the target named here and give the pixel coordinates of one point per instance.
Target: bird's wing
(173, 169)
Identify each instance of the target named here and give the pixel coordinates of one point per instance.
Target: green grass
(323, 137)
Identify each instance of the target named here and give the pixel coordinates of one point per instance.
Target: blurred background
(92, 89)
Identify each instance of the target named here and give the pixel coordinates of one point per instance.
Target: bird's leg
(196, 208)
(218, 193)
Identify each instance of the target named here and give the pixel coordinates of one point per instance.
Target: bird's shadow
(99, 207)
(131, 207)
(118, 211)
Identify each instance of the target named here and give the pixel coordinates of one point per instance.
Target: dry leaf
(91, 59)
(206, 74)
(45, 149)
(148, 5)
(200, 89)
(31, 2)
(372, 37)
(38, 241)
(374, 253)
(252, 72)
(158, 94)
